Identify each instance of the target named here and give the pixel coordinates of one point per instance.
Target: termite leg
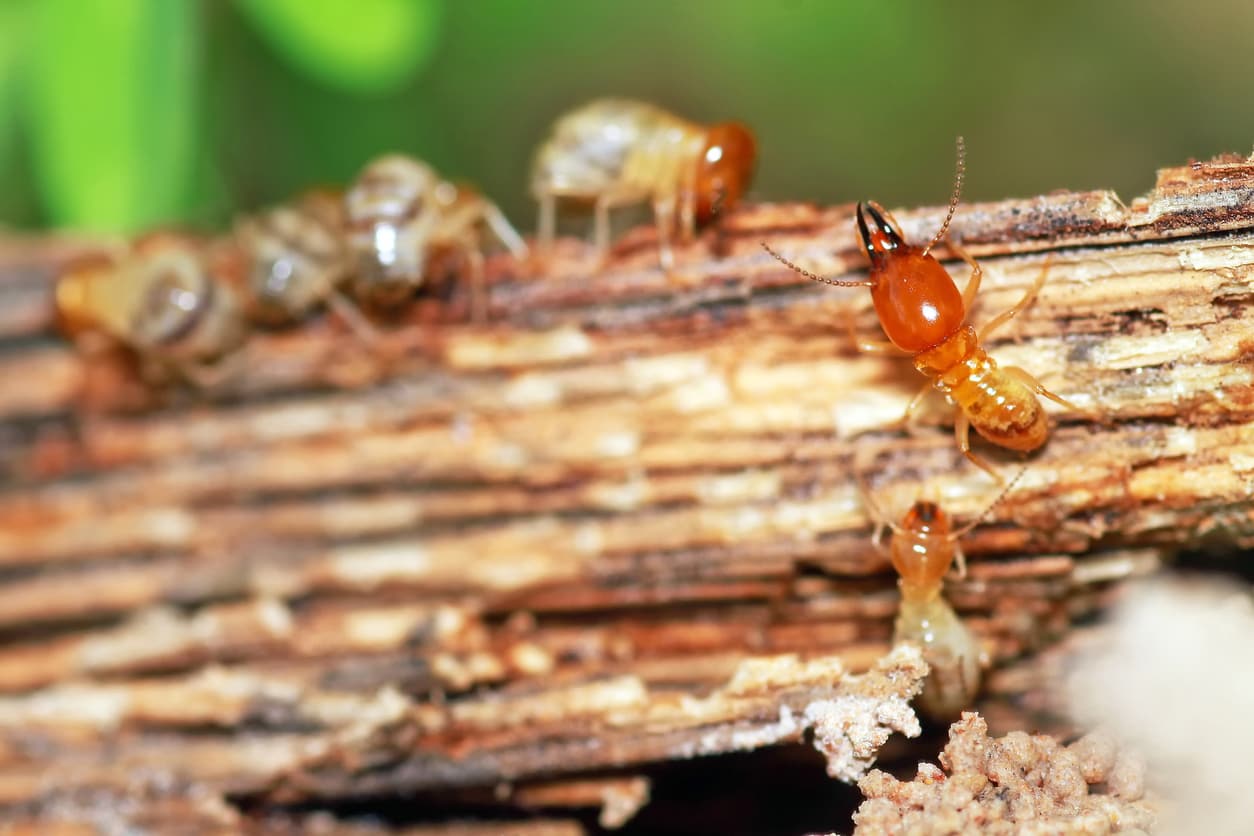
(910, 418)
(867, 346)
(877, 537)
(601, 224)
(977, 273)
(212, 375)
(1028, 298)
(873, 508)
(664, 219)
(505, 232)
(478, 287)
(960, 562)
(869, 502)
(962, 433)
(688, 214)
(350, 314)
(1026, 378)
(547, 230)
(884, 347)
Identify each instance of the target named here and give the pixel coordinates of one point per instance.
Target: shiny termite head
(917, 302)
(923, 547)
(925, 542)
(77, 296)
(915, 298)
(725, 168)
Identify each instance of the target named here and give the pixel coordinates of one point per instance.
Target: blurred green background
(119, 114)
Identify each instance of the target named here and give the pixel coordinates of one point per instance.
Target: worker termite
(171, 298)
(924, 315)
(923, 548)
(613, 152)
(297, 260)
(399, 213)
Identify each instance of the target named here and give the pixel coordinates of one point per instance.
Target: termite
(924, 316)
(923, 548)
(297, 261)
(615, 152)
(399, 213)
(171, 298)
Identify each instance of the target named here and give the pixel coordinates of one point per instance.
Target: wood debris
(1019, 783)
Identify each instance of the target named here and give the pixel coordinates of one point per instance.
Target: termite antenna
(881, 519)
(954, 535)
(953, 198)
(815, 276)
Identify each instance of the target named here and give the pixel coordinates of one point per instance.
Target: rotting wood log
(414, 565)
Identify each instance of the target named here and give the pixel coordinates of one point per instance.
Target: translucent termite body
(399, 213)
(924, 315)
(297, 258)
(923, 548)
(171, 298)
(615, 152)
(922, 551)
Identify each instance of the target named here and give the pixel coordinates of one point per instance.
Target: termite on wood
(924, 316)
(614, 152)
(923, 548)
(173, 299)
(297, 259)
(399, 213)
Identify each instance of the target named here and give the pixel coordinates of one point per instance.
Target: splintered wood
(615, 525)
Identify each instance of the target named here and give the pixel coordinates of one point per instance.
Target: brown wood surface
(535, 555)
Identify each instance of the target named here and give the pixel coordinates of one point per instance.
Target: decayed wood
(414, 565)
(387, 743)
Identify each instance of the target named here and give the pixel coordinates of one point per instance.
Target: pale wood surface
(415, 565)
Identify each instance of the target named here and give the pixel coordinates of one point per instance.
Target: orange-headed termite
(615, 152)
(924, 315)
(923, 548)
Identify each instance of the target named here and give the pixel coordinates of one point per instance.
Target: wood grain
(540, 550)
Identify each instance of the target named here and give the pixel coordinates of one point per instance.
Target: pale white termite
(615, 152)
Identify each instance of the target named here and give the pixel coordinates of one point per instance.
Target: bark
(538, 551)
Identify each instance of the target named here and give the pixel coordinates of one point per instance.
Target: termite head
(923, 548)
(926, 518)
(77, 296)
(725, 168)
(917, 302)
(925, 542)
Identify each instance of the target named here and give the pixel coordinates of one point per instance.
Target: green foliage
(110, 92)
(12, 40)
(117, 114)
(364, 46)
(111, 109)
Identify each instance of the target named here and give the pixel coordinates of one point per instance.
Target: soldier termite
(924, 315)
(615, 152)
